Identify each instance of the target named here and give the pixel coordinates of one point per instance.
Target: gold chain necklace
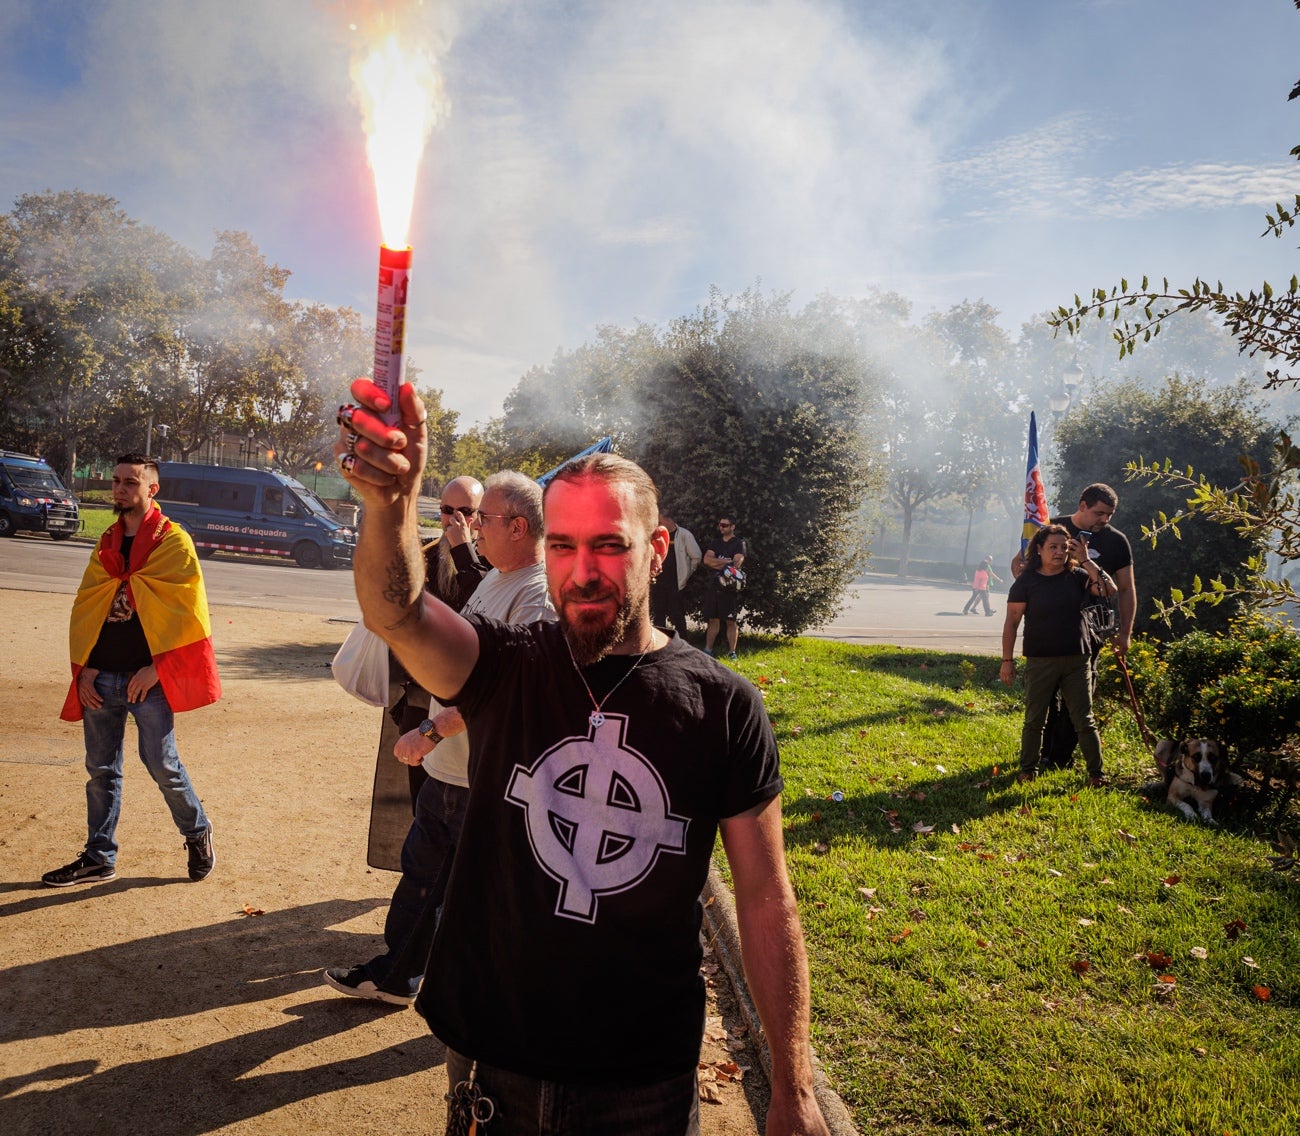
(596, 718)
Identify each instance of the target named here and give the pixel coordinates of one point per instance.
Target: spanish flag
(165, 585)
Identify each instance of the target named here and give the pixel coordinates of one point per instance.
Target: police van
(33, 498)
(229, 509)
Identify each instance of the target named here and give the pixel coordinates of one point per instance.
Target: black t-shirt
(121, 647)
(733, 547)
(572, 915)
(1109, 547)
(1054, 623)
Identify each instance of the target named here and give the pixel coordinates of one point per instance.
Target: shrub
(1241, 686)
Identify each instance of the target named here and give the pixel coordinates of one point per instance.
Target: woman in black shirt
(1050, 596)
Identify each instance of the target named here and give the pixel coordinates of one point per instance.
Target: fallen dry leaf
(1199, 953)
(922, 828)
(1123, 910)
(901, 935)
(940, 769)
(983, 784)
(1080, 966)
(1025, 811)
(821, 849)
(1085, 922)
(981, 944)
(1054, 872)
(710, 1093)
(1158, 959)
(916, 915)
(867, 893)
(916, 795)
(995, 771)
(1260, 992)
(249, 909)
(1167, 979)
(1250, 962)
(987, 855)
(1127, 836)
(956, 829)
(1233, 929)
(1170, 881)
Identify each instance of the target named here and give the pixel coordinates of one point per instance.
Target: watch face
(425, 727)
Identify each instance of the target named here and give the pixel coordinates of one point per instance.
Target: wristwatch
(429, 730)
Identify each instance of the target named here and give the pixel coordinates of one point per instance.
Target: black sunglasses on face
(464, 510)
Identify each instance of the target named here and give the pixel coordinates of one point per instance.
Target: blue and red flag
(1036, 514)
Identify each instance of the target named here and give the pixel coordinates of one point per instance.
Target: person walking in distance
(141, 645)
(980, 587)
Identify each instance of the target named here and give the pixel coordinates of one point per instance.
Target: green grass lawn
(1043, 958)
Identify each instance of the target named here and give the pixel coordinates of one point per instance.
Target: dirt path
(151, 1005)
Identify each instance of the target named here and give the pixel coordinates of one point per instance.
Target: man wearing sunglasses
(726, 550)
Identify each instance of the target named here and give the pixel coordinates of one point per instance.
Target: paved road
(912, 613)
(37, 564)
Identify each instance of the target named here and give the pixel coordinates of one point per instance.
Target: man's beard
(591, 639)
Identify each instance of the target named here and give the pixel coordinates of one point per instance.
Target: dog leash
(1148, 737)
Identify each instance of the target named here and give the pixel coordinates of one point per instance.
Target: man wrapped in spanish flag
(141, 644)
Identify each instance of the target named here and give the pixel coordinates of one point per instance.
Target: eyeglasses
(464, 510)
(497, 516)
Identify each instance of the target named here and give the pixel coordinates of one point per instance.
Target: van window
(183, 489)
(235, 495)
(273, 501)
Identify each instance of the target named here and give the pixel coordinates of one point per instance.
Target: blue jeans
(104, 731)
(526, 1106)
(413, 911)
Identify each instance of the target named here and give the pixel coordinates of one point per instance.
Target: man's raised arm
(384, 465)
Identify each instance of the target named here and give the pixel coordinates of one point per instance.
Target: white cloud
(1041, 174)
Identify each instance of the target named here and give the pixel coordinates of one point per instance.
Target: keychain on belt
(469, 1110)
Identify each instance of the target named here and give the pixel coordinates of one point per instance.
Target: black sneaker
(82, 870)
(358, 984)
(202, 858)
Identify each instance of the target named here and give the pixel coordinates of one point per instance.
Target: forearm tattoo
(401, 588)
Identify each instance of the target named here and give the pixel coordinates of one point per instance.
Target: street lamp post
(314, 476)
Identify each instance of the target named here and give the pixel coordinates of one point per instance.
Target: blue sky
(607, 162)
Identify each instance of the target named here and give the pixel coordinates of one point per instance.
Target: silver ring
(347, 462)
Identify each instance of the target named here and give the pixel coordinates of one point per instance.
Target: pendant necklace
(596, 718)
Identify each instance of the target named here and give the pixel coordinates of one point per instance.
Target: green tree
(744, 405)
(1185, 420)
(85, 304)
(763, 412)
(319, 350)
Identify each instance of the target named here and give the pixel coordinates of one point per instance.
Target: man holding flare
(604, 757)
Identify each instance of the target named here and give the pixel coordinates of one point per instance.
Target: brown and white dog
(1196, 771)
